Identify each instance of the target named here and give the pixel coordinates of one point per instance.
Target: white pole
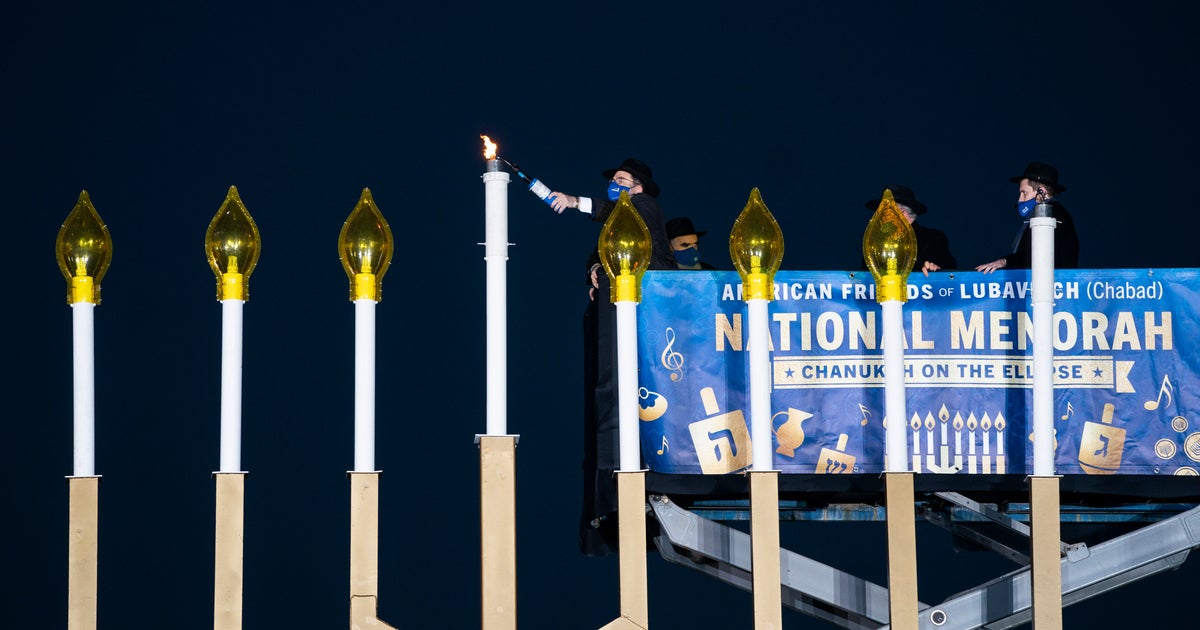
(893, 383)
(231, 385)
(364, 385)
(84, 365)
(1042, 227)
(760, 385)
(495, 186)
(627, 387)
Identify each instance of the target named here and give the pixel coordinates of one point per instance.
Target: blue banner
(1126, 354)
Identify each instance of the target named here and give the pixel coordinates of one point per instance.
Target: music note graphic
(670, 359)
(865, 413)
(665, 447)
(1166, 388)
(1070, 410)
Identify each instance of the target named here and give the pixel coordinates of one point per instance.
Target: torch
(84, 251)
(756, 248)
(365, 248)
(497, 449)
(1045, 513)
(232, 244)
(890, 247)
(535, 186)
(625, 250)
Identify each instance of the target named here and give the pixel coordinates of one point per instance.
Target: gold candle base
(1045, 535)
(902, 551)
(82, 555)
(764, 549)
(229, 550)
(498, 531)
(364, 551)
(631, 536)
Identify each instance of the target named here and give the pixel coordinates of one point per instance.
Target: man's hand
(999, 263)
(929, 266)
(562, 201)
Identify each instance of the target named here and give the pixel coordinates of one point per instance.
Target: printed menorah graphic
(983, 452)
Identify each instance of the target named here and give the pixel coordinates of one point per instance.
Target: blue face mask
(1025, 208)
(689, 257)
(614, 190)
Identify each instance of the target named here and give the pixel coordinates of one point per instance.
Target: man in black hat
(685, 243)
(635, 177)
(1039, 183)
(933, 246)
(601, 437)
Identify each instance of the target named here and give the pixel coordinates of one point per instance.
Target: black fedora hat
(640, 171)
(903, 196)
(680, 226)
(1041, 173)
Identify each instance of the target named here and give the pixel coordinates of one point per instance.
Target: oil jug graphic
(789, 435)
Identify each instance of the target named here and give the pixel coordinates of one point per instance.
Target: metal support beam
(808, 585)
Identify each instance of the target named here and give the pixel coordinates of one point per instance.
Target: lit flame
(489, 148)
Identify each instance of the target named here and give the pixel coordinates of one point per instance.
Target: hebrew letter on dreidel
(1102, 446)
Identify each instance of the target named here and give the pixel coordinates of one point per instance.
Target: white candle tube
(627, 387)
(945, 441)
(929, 441)
(893, 381)
(364, 385)
(958, 441)
(759, 357)
(84, 368)
(916, 440)
(231, 385)
(495, 185)
(1042, 302)
(1000, 442)
(971, 443)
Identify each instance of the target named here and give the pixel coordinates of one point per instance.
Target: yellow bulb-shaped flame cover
(625, 250)
(232, 244)
(84, 251)
(889, 247)
(365, 247)
(756, 248)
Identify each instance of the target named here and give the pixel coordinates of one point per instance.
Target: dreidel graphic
(836, 462)
(721, 441)
(1102, 446)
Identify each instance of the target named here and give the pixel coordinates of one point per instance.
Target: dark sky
(157, 110)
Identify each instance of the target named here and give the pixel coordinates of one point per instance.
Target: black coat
(1066, 242)
(661, 254)
(932, 245)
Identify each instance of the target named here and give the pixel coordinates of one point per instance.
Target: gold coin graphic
(1186, 471)
(1164, 448)
(1191, 447)
(1179, 423)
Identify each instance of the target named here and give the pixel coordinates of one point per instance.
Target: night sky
(157, 110)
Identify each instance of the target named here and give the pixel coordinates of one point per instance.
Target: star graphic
(790, 373)
(1097, 372)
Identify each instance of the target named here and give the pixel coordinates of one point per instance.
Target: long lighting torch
(535, 185)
